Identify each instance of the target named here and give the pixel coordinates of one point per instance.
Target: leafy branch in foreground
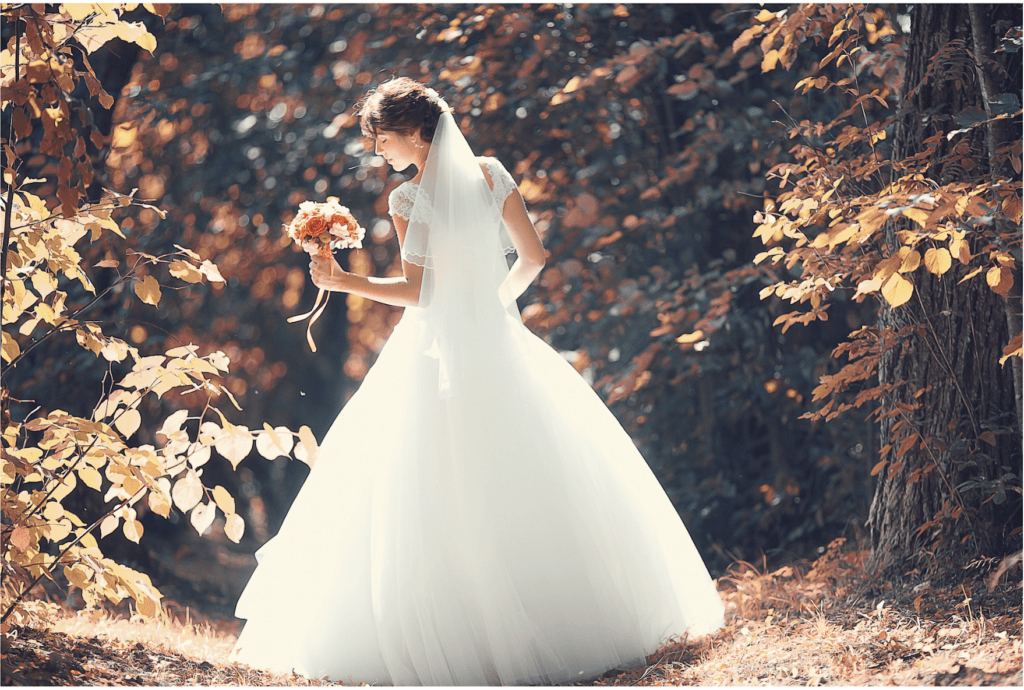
(917, 228)
(54, 453)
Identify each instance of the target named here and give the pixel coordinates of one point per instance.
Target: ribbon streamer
(313, 314)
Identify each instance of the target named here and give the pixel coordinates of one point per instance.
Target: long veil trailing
(456, 234)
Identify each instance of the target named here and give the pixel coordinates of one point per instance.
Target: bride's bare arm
(529, 248)
(399, 291)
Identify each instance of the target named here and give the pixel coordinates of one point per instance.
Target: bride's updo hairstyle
(401, 105)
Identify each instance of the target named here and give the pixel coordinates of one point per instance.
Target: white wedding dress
(508, 532)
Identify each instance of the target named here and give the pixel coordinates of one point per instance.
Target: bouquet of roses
(319, 229)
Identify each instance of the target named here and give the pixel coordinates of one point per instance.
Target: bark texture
(965, 326)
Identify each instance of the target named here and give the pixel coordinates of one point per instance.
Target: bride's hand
(326, 273)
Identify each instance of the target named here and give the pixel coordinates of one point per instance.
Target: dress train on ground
(509, 535)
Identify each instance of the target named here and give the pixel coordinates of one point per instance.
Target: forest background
(653, 144)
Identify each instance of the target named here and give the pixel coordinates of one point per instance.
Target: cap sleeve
(401, 200)
(501, 180)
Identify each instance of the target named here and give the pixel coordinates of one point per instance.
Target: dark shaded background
(640, 141)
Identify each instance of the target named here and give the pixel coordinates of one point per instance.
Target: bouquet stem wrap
(313, 314)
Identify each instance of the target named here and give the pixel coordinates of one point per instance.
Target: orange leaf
(959, 248)
(744, 39)
(148, 290)
(21, 537)
(879, 467)
(1012, 349)
(1000, 279)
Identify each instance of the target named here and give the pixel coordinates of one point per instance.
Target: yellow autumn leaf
(44, 283)
(91, 477)
(132, 530)
(148, 290)
(960, 248)
(1014, 349)
(1000, 279)
(187, 492)
(108, 525)
(897, 290)
(918, 215)
(961, 204)
(95, 36)
(273, 443)
(78, 575)
(198, 455)
(78, 10)
(691, 337)
(132, 485)
(115, 350)
(224, 500)
(185, 271)
(135, 32)
(159, 503)
(234, 443)
(937, 260)
(771, 59)
(764, 16)
(911, 261)
(202, 517)
(183, 351)
(123, 136)
(234, 527)
(53, 511)
(10, 347)
(208, 433)
(173, 423)
(58, 532)
(147, 606)
(212, 273)
(128, 422)
(306, 450)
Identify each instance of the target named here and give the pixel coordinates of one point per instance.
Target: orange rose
(316, 226)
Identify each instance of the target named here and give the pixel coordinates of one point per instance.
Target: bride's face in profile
(401, 150)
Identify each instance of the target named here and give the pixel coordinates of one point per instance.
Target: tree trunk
(964, 330)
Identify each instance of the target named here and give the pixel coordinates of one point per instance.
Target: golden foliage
(47, 454)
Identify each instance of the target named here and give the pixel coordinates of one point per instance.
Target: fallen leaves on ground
(809, 624)
(93, 648)
(828, 624)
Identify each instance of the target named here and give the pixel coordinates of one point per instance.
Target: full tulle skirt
(511, 534)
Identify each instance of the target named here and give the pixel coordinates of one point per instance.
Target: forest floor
(806, 624)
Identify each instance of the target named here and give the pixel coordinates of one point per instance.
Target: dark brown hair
(400, 105)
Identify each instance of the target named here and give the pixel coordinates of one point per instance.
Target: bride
(477, 515)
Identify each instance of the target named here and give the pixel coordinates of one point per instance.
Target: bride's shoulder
(498, 177)
(489, 164)
(402, 198)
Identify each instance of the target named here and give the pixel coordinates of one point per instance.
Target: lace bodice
(403, 197)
